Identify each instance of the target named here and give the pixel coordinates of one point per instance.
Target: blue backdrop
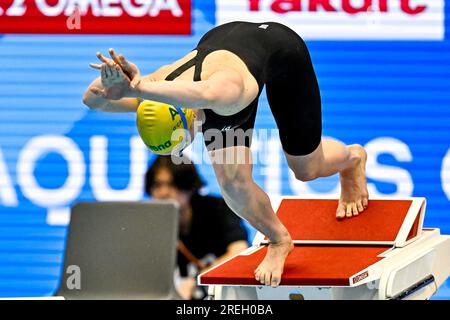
(391, 96)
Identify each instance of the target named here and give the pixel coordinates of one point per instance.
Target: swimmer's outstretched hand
(129, 68)
(115, 83)
(118, 76)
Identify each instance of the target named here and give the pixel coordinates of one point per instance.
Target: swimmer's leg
(330, 157)
(249, 201)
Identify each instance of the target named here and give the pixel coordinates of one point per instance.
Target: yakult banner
(344, 19)
(95, 16)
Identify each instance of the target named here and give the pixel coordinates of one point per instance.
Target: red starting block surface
(306, 265)
(316, 220)
(335, 250)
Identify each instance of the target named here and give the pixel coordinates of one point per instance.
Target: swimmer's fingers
(124, 61)
(102, 58)
(126, 66)
(119, 74)
(111, 69)
(132, 70)
(126, 70)
(106, 71)
(106, 62)
(95, 66)
(135, 81)
(115, 57)
(103, 71)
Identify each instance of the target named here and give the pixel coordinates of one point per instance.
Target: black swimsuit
(278, 58)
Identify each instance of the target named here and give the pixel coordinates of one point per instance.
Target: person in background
(209, 232)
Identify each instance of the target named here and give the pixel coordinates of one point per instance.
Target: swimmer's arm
(222, 89)
(99, 103)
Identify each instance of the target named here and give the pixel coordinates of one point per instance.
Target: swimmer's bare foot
(271, 268)
(354, 195)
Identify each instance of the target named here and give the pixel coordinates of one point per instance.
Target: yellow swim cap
(156, 122)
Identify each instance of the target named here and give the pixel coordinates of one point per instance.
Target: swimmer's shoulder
(162, 72)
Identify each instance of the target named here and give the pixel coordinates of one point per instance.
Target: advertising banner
(96, 16)
(344, 19)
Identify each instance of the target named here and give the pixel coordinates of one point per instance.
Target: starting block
(384, 253)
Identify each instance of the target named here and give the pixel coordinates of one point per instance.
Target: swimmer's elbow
(91, 102)
(87, 102)
(222, 96)
(210, 97)
(224, 89)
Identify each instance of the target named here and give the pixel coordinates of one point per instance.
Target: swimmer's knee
(305, 175)
(306, 170)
